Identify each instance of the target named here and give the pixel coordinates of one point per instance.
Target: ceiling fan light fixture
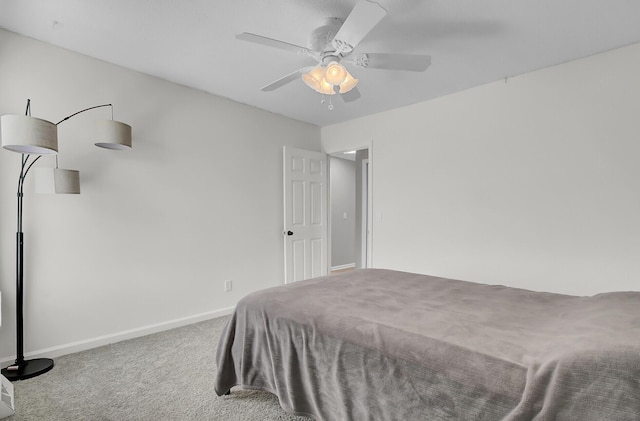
(330, 80)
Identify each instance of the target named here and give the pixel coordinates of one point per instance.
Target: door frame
(369, 208)
(364, 237)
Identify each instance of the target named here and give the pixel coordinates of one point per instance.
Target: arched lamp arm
(23, 175)
(86, 109)
(26, 165)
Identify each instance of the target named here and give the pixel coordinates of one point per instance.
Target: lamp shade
(29, 135)
(57, 181)
(112, 134)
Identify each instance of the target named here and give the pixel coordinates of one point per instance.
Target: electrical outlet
(227, 285)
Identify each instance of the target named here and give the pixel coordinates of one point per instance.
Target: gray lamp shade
(57, 181)
(30, 135)
(112, 134)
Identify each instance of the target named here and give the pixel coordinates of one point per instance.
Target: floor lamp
(34, 137)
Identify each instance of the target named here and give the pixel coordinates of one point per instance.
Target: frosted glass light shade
(349, 83)
(30, 135)
(336, 73)
(56, 181)
(326, 88)
(112, 134)
(314, 78)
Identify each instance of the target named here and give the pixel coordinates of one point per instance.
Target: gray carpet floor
(164, 376)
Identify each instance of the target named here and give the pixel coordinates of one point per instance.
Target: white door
(305, 214)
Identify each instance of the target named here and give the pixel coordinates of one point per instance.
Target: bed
(377, 344)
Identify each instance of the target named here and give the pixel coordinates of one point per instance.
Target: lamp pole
(24, 369)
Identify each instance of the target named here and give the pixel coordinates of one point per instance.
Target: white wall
(533, 182)
(156, 229)
(343, 203)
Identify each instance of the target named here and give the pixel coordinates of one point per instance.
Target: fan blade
(286, 79)
(270, 42)
(410, 62)
(351, 96)
(362, 19)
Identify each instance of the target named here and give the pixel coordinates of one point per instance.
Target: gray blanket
(383, 345)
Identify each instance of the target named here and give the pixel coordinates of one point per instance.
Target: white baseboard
(340, 267)
(70, 348)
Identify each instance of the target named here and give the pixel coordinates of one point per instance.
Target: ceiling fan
(332, 44)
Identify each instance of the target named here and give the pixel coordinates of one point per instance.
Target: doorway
(349, 210)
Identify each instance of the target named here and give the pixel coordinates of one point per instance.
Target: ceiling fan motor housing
(321, 37)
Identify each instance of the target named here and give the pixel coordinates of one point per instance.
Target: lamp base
(28, 369)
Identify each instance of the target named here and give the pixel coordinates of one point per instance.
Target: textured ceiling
(192, 42)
